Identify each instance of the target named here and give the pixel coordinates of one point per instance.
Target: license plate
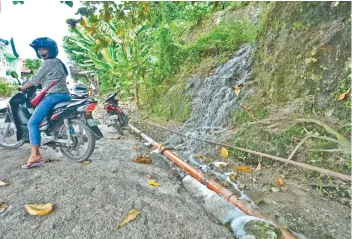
(93, 122)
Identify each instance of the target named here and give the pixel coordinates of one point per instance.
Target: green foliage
(235, 5)
(33, 65)
(5, 89)
(17, 2)
(136, 46)
(197, 12)
(68, 3)
(222, 39)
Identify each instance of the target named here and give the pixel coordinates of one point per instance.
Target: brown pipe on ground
(288, 161)
(211, 184)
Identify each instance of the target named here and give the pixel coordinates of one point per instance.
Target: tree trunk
(146, 85)
(137, 94)
(96, 81)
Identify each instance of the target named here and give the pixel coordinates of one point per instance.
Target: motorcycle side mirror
(14, 74)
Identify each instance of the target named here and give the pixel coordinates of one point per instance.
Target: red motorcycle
(116, 117)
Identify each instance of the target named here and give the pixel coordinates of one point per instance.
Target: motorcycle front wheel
(118, 127)
(83, 143)
(8, 134)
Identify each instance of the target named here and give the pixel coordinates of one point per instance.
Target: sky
(33, 19)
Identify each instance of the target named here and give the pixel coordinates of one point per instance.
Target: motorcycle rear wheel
(8, 134)
(81, 135)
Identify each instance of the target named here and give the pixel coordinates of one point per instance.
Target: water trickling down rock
(213, 101)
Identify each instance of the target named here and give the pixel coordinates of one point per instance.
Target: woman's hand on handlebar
(25, 87)
(21, 88)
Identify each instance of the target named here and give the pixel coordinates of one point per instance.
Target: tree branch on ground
(340, 139)
(305, 139)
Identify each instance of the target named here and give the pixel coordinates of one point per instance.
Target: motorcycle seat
(67, 103)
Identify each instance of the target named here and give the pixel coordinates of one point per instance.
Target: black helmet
(45, 42)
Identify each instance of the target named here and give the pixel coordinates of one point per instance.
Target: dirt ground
(314, 207)
(90, 200)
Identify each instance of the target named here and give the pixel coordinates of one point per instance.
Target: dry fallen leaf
(238, 89)
(116, 138)
(259, 167)
(142, 159)
(3, 206)
(275, 189)
(153, 183)
(39, 209)
(220, 164)
(223, 152)
(86, 162)
(231, 175)
(131, 216)
(243, 168)
(199, 155)
(280, 182)
(83, 22)
(334, 4)
(343, 95)
(3, 183)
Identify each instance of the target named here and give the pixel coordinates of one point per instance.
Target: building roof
(25, 69)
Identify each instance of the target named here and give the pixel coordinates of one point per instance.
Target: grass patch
(174, 104)
(222, 39)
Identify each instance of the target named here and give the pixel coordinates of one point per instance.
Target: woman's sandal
(33, 164)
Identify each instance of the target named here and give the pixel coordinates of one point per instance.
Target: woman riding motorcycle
(53, 70)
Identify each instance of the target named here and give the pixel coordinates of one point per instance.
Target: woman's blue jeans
(42, 110)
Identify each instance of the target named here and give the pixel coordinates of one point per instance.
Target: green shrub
(5, 89)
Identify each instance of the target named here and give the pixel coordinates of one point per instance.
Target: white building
(9, 60)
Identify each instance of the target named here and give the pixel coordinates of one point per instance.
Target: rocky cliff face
(304, 55)
(302, 63)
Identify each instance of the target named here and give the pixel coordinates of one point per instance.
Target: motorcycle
(69, 126)
(116, 117)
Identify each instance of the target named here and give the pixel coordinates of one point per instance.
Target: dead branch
(345, 125)
(305, 139)
(248, 110)
(340, 138)
(325, 150)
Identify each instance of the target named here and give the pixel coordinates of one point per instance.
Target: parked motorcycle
(69, 126)
(116, 117)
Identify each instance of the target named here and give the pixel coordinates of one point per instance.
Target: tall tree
(33, 65)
